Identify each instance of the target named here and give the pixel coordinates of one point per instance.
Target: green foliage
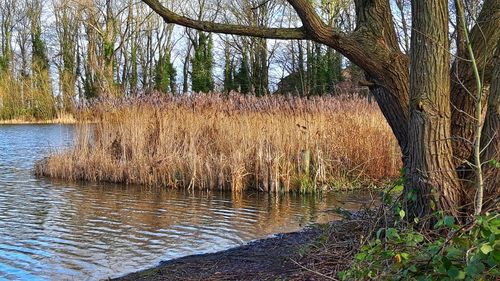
(202, 64)
(40, 59)
(108, 48)
(89, 86)
(324, 70)
(4, 63)
(447, 252)
(134, 76)
(229, 72)
(305, 184)
(242, 78)
(165, 74)
(494, 163)
(259, 67)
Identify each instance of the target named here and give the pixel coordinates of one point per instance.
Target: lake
(55, 230)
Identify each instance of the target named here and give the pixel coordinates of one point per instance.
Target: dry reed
(232, 142)
(62, 118)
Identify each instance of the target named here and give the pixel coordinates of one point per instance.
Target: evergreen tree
(89, 85)
(39, 53)
(165, 74)
(259, 67)
(323, 70)
(202, 64)
(134, 75)
(242, 78)
(44, 106)
(229, 71)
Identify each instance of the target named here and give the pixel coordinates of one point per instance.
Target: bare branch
(236, 29)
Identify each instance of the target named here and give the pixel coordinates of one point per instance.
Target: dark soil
(268, 259)
(317, 253)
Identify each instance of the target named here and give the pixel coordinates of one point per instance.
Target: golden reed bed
(231, 142)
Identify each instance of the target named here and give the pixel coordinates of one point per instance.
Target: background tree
(41, 85)
(202, 63)
(7, 17)
(67, 24)
(230, 83)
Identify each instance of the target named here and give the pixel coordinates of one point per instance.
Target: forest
(56, 55)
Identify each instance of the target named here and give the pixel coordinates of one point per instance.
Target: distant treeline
(53, 53)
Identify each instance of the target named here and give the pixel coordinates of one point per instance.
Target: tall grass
(23, 101)
(232, 142)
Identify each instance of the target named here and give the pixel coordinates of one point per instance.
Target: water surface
(53, 230)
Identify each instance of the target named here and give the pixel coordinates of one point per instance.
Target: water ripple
(66, 231)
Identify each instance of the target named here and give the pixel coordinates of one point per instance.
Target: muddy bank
(316, 253)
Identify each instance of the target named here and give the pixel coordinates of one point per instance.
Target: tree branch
(235, 29)
(312, 22)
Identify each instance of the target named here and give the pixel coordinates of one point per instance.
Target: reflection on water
(56, 230)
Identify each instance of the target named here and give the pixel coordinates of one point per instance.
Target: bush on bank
(403, 250)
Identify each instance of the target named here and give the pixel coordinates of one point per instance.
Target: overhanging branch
(235, 29)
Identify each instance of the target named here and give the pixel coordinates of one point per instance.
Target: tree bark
(484, 37)
(432, 176)
(490, 139)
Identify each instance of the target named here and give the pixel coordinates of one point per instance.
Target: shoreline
(59, 119)
(41, 122)
(283, 256)
(264, 259)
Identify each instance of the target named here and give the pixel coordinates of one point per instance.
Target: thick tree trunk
(490, 139)
(392, 110)
(432, 176)
(390, 82)
(484, 37)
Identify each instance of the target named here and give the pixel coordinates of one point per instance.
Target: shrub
(447, 252)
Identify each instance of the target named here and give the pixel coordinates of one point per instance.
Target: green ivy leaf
(492, 238)
(398, 188)
(405, 256)
(438, 224)
(456, 274)
(412, 195)
(392, 233)
(486, 248)
(446, 263)
(496, 255)
(402, 214)
(453, 253)
(449, 221)
(471, 270)
(379, 233)
(418, 238)
(361, 256)
(494, 163)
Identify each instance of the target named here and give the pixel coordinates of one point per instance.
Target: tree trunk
(432, 176)
(490, 139)
(484, 37)
(392, 111)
